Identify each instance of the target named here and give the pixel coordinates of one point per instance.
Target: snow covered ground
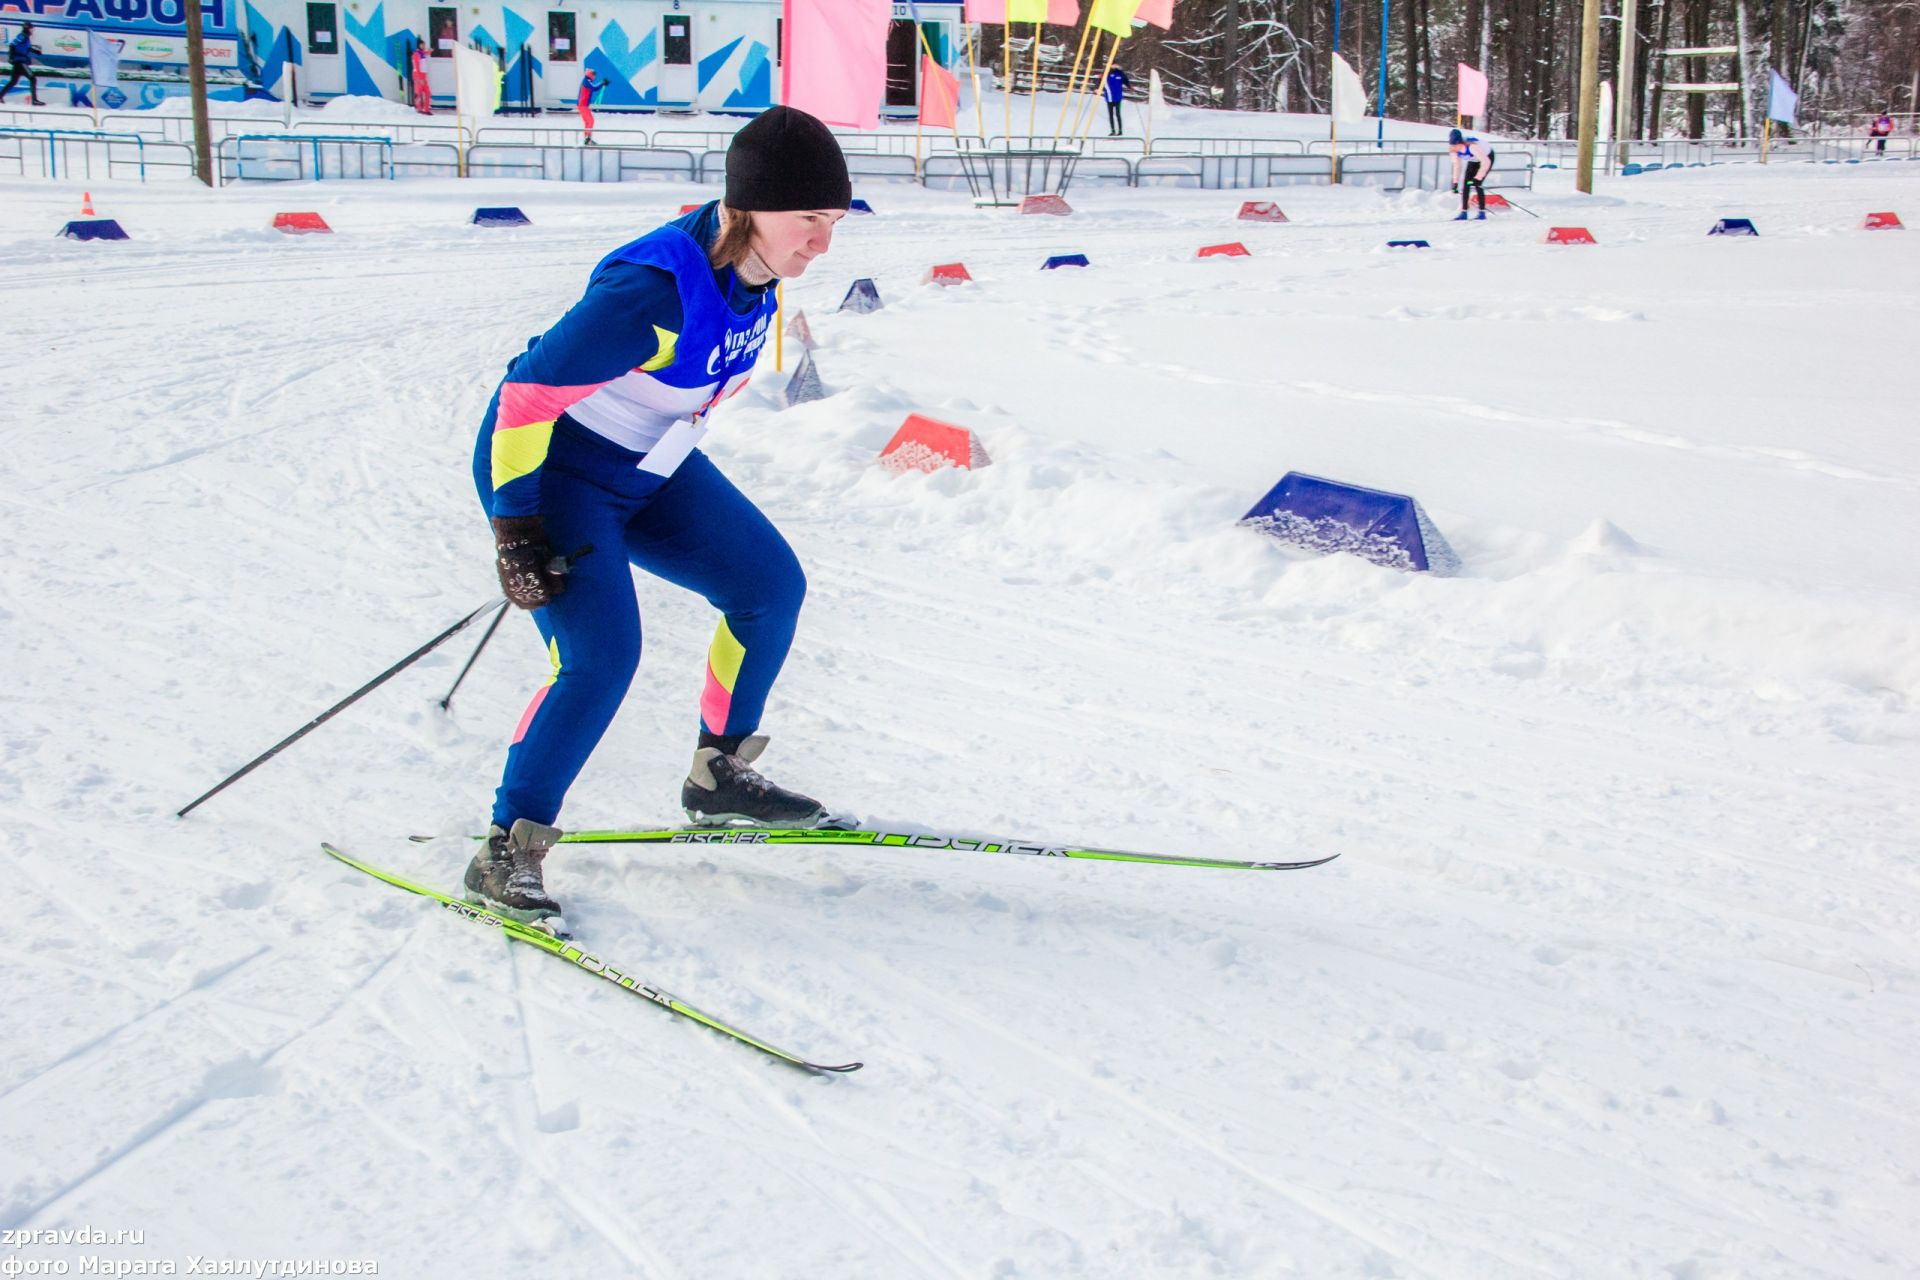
(1616, 976)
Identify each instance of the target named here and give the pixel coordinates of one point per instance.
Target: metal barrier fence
(292, 157)
(580, 164)
(84, 153)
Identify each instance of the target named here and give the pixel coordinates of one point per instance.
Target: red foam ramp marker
(1234, 250)
(1261, 211)
(800, 331)
(1569, 235)
(1883, 222)
(922, 444)
(300, 224)
(1045, 204)
(686, 209)
(947, 273)
(1497, 201)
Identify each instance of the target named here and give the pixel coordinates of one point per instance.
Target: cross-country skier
(590, 441)
(590, 89)
(1114, 90)
(1882, 126)
(1472, 162)
(422, 90)
(20, 51)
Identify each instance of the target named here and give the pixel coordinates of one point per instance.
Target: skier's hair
(735, 241)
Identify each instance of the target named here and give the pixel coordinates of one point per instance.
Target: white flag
(1604, 130)
(1349, 95)
(476, 84)
(103, 58)
(1782, 101)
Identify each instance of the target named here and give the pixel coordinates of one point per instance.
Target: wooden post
(1626, 97)
(197, 76)
(1589, 93)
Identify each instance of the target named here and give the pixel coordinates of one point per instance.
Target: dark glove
(1455, 188)
(529, 574)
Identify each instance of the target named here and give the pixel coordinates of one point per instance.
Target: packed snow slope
(1616, 975)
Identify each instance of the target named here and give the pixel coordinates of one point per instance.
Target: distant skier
(1115, 92)
(590, 88)
(590, 441)
(20, 51)
(1472, 162)
(1879, 129)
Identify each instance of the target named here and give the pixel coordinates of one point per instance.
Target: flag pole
(1073, 77)
(1033, 86)
(1112, 53)
(1766, 137)
(1073, 132)
(973, 73)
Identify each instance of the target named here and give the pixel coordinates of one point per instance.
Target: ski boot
(1460, 216)
(505, 875)
(726, 790)
(1480, 216)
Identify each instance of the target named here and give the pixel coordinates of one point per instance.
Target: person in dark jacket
(590, 441)
(20, 51)
(1115, 92)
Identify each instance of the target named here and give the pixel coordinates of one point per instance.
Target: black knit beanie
(784, 160)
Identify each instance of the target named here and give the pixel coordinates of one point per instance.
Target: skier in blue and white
(1472, 162)
(1114, 91)
(591, 441)
(20, 51)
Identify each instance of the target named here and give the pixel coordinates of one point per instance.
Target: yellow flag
(1113, 15)
(1026, 10)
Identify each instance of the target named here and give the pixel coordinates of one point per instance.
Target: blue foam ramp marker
(501, 216)
(862, 298)
(1733, 227)
(1408, 244)
(859, 206)
(1389, 529)
(94, 229)
(1059, 260)
(1628, 170)
(804, 385)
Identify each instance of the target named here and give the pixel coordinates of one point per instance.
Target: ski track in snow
(1615, 976)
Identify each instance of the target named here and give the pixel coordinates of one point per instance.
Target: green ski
(915, 840)
(568, 951)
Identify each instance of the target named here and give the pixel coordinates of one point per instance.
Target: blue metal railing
(55, 145)
(298, 142)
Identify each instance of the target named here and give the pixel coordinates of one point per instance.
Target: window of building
(677, 36)
(443, 31)
(323, 28)
(560, 27)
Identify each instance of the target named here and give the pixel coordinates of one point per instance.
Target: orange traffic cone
(86, 203)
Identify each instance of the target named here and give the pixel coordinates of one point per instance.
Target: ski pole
(337, 708)
(559, 564)
(1522, 208)
(447, 702)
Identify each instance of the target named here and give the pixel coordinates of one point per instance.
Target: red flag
(939, 94)
(1158, 12)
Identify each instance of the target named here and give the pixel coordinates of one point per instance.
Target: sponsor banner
(170, 50)
(163, 17)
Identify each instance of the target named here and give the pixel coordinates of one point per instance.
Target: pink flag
(994, 11)
(1158, 12)
(1473, 92)
(939, 94)
(1063, 13)
(836, 59)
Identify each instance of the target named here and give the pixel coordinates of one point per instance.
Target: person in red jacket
(422, 93)
(589, 89)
